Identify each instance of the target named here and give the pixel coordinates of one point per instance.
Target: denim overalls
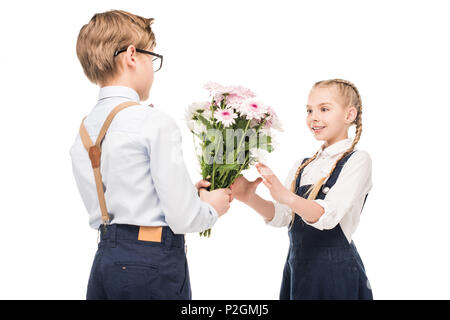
(322, 264)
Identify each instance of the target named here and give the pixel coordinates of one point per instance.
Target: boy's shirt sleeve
(347, 195)
(183, 209)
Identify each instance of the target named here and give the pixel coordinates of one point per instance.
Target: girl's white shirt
(344, 201)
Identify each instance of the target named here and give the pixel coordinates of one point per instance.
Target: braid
(355, 100)
(299, 169)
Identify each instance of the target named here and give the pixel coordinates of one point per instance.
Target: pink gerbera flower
(216, 90)
(252, 109)
(237, 94)
(272, 120)
(225, 116)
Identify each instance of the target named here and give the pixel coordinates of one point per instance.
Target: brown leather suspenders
(95, 153)
(146, 233)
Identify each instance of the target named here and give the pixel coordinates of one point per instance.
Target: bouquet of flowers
(230, 131)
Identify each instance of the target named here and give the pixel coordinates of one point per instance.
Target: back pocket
(132, 280)
(135, 265)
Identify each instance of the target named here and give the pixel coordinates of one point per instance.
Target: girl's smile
(327, 115)
(317, 129)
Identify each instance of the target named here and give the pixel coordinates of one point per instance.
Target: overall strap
(95, 151)
(333, 178)
(335, 174)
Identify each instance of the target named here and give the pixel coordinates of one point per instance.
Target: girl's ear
(351, 115)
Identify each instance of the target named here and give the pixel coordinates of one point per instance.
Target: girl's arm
(274, 213)
(245, 191)
(309, 210)
(312, 210)
(345, 199)
(265, 208)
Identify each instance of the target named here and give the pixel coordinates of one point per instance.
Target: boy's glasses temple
(117, 52)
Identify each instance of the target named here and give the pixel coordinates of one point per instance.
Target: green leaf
(227, 167)
(204, 121)
(267, 147)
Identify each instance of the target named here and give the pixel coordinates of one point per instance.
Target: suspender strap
(95, 152)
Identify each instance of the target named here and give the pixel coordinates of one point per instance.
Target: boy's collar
(118, 91)
(336, 148)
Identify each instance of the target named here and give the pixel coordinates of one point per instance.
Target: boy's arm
(183, 209)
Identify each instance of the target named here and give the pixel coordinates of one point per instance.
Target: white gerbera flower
(277, 125)
(194, 108)
(258, 155)
(207, 113)
(190, 124)
(198, 127)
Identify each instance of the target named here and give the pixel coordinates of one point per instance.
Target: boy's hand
(205, 184)
(220, 199)
(277, 190)
(202, 184)
(242, 189)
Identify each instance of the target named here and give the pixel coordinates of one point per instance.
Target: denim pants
(127, 268)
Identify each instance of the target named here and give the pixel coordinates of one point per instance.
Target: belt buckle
(105, 223)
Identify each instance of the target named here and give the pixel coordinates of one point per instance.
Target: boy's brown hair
(104, 34)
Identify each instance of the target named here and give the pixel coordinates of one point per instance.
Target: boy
(132, 180)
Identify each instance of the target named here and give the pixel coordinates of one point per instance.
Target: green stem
(212, 111)
(223, 178)
(240, 142)
(245, 162)
(213, 173)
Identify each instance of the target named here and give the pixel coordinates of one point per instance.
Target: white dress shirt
(145, 179)
(344, 201)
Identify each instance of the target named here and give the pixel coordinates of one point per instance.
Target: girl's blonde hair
(350, 93)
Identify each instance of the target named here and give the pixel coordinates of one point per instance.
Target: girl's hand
(242, 189)
(277, 190)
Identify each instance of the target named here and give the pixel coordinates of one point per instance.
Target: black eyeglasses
(157, 60)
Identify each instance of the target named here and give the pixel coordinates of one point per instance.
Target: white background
(396, 52)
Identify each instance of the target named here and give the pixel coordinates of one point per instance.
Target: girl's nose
(315, 116)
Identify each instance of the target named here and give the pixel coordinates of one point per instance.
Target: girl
(321, 200)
